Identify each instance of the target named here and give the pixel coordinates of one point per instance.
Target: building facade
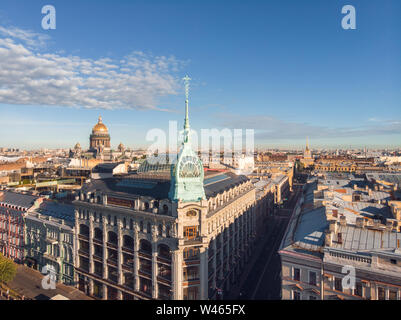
(13, 207)
(49, 239)
(175, 233)
(341, 228)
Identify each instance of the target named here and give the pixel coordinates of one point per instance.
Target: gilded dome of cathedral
(100, 127)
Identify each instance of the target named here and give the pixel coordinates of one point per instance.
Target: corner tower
(187, 173)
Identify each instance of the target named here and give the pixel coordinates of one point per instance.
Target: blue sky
(284, 68)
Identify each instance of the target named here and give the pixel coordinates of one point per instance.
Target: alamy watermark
(214, 145)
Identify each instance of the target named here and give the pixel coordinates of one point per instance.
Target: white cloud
(271, 128)
(30, 77)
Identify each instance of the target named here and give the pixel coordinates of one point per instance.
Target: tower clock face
(189, 167)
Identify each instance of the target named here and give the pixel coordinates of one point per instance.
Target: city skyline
(250, 70)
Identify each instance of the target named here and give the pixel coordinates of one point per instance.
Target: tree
(8, 269)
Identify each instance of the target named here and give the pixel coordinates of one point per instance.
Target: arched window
(168, 232)
(146, 205)
(165, 209)
(145, 246)
(115, 220)
(112, 238)
(98, 234)
(141, 226)
(149, 228)
(131, 224)
(84, 230)
(124, 223)
(156, 204)
(128, 242)
(164, 251)
(109, 219)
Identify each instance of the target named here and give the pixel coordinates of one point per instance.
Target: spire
(186, 81)
(99, 119)
(307, 143)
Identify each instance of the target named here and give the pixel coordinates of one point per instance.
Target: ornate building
(99, 140)
(169, 231)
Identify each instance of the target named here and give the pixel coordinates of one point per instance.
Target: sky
(285, 68)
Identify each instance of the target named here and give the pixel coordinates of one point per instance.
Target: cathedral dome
(100, 127)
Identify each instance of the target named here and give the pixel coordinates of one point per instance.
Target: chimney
(360, 222)
(333, 226)
(343, 220)
(328, 238)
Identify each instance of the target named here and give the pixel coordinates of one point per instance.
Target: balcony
(195, 240)
(83, 237)
(51, 257)
(128, 250)
(51, 240)
(112, 245)
(98, 257)
(145, 254)
(98, 241)
(128, 266)
(163, 259)
(164, 280)
(83, 252)
(112, 261)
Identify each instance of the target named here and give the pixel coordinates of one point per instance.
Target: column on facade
(214, 262)
(120, 252)
(204, 276)
(105, 269)
(177, 274)
(221, 239)
(91, 251)
(154, 269)
(91, 248)
(75, 251)
(136, 258)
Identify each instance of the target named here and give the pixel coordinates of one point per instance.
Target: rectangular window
(190, 233)
(312, 278)
(191, 293)
(358, 290)
(296, 295)
(381, 293)
(312, 298)
(191, 273)
(191, 253)
(297, 274)
(338, 284)
(392, 294)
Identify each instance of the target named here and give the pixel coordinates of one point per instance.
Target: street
(261, 280)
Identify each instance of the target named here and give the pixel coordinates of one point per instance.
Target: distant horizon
(288, 76)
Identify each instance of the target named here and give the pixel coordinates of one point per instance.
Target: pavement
(28, 282)
(261, 279)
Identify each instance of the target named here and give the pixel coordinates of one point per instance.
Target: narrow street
(261, 280)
